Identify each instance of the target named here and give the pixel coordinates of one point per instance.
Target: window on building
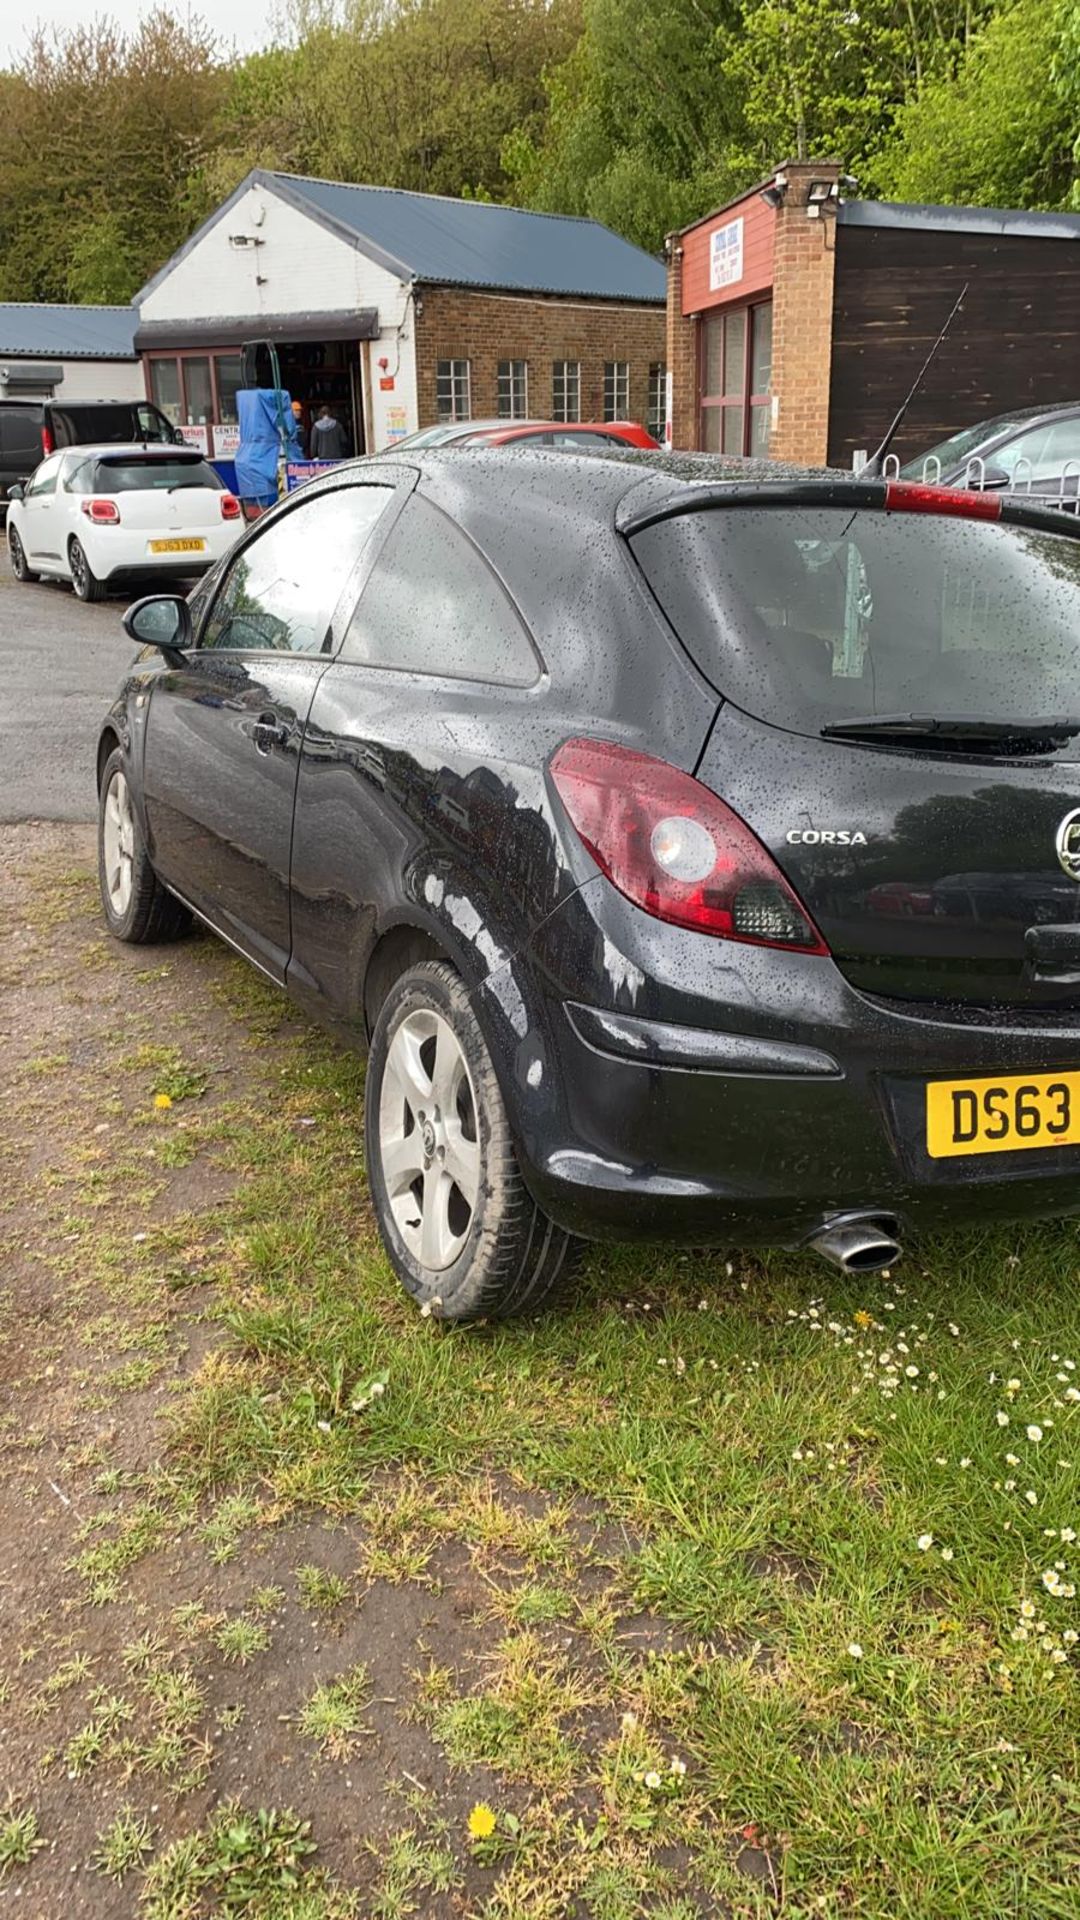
(453, 389)
(655, 418)
(513, 389)
(736, 372)
(165, 388)
(433, 605)
(230, 379)
(617, 390)
(566, 390)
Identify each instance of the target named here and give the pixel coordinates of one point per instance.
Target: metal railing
(1061, 492)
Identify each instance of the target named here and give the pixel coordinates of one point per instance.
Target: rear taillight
(230, 507)
(958, 503)
(103, 513)
(48, 444)
(674, 849)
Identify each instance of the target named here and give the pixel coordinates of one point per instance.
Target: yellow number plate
(1003, 1115)
(178, 546)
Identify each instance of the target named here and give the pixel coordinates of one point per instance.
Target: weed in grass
(334, 1714)
(320, 1590)
(240, 1639)
(230, 1518)
(267, 1599)
(145, 1653)
(70, 1673)
(408, 1868)
(537, 1605)
(19, 1837)
(516, 1727)
(124, 1844)
(251, 1864)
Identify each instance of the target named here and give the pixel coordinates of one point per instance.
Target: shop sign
(396, 424)
(726, 255)
(226, 441)
(299, 472)
(196, 437)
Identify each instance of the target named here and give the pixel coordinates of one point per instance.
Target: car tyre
(84, 580)
(463, 1235)
(19, 564)
(138, 909)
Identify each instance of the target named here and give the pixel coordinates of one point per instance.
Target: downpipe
(860, 1243)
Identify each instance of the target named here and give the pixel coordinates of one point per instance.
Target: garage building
(68, 353)
(400, 309)
(798, 319)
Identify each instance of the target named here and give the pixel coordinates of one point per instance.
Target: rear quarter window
(433, 605)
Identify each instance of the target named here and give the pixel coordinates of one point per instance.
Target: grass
(334, 1714)
(124, 1845)
(813, 1538)
(19, 1838)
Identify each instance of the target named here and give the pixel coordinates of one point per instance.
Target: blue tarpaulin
(263, 415)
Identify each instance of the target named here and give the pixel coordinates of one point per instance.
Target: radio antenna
(872, 469)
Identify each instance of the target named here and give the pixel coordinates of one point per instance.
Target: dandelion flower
(924, 1542)
(481, 1821)
(862, 1318)
(162, 1101)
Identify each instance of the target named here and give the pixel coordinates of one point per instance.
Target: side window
(20, 434)
(1045, 451)
(78, 475)
(280, 592)
(433, 605)
(44, 480)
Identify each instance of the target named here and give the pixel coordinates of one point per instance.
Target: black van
(31, 429)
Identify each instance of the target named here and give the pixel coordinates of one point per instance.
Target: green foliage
(639, 113)
(1002, 132)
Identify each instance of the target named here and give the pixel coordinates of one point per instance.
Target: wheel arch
(107, 744)
(398, 949)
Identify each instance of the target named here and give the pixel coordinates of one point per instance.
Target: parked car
(99, 515)
(575, 436)
(1034, 449)
(567, 785)
(32, 429)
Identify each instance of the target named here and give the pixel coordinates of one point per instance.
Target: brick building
(401, 309)
(797, 320)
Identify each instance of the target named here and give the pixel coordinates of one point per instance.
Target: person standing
(329, 440)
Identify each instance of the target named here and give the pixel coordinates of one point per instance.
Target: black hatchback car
(700, 858)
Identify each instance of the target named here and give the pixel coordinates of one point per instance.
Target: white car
(99, 515)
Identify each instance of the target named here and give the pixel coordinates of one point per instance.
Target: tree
(102, 131)
(1004, 131)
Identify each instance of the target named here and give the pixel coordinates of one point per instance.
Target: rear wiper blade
(958, 726)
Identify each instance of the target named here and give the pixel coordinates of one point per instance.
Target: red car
(573, 435)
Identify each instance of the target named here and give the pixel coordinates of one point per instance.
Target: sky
(247, 22)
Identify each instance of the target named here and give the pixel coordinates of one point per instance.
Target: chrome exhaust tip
(860, 1245)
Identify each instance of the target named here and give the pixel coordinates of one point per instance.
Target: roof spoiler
(873, 495)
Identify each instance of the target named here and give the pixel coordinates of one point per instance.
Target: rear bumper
(128, 559)
(689, 1089)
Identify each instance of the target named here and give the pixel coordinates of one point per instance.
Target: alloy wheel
(18, 558)
(118, 843)
(79, 569)
(428, 1145)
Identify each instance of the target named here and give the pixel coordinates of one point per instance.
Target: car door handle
(268, 732)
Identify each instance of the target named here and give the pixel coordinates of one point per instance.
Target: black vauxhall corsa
(700, 858)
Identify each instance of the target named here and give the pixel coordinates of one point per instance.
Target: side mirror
(162, 621)
(996, 477)
(17, 492)
(178, 438)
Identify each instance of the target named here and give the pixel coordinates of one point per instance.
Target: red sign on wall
(386, 383)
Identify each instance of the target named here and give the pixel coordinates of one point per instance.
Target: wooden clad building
(798, 319)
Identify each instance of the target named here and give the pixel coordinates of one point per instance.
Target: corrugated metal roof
(29, 330)
(472, 243)
(1036, 226)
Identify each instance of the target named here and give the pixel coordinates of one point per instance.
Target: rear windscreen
(810, 615)
(73, 424)
(157, 475)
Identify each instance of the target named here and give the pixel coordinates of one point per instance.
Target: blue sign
(299, 472)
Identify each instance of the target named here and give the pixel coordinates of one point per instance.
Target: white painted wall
(304, 269)
(101, 380)
(84, 380)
